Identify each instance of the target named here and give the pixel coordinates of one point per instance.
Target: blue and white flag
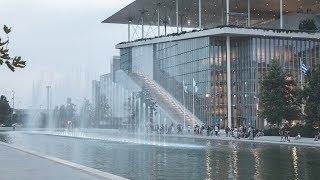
(195, 87)
(303, 67)
(185, 88)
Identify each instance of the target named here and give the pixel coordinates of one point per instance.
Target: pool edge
(85, 169)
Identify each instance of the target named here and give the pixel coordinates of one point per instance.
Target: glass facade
(205, 60)
(126, 59)
(251, 59)
(181, 62)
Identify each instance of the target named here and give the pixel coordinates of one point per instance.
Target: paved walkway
(222, 137)
(21, 165)
(264, 139)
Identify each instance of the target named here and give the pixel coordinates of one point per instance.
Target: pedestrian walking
(216, 130)
(227, 129)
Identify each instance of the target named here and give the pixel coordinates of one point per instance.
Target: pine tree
(293, 104)
(311, 96)
(277, 101)
(5, 111)
(308, 25)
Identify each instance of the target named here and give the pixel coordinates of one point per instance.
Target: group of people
(284, 132)
(207, 130)
(243, 132)
(214, 130)
(210, 130)
(166, 129)
(237, 133)
(317, 136)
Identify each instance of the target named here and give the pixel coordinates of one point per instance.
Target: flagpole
(184, 113)
(303, 69)
(193, 99)
(301, 75)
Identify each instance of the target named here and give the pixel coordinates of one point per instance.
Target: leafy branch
(5, 58)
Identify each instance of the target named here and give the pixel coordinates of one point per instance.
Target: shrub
(305, 131)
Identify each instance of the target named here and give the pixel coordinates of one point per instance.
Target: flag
(303, 67)
(195, 87)
(185, 88)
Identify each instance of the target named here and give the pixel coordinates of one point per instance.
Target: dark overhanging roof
(213, 11)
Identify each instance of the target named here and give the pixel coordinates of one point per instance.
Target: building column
(159, 19)
(200, 15)
(142, 24)
(165, 28)
(181, 23)
(249, 13)
(229, 82)
(129, 31)
(281, 14)
(177, 15)
(228, 12)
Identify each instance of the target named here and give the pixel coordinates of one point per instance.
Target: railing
(181, 111)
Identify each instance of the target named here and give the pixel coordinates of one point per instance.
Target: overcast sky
(59, 39)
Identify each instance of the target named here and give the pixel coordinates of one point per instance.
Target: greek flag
(195, 87)
(185, 88)
(303, 67)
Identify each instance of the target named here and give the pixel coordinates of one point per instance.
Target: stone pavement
(22, 165)
(265, 139)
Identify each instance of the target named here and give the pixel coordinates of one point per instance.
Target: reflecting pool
(177, 158)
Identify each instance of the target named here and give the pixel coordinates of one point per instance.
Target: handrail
(172, 99)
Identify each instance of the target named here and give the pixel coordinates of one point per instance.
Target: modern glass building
(222, 47)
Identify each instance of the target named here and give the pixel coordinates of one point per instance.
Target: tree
(292, 98)
(277, 101)
(86, 114)
(56, 115)
(131, 112)
(5, 111)
(145, 96)
(70, 110)
(308, 25)
(62, 117)
(311, 95)
(5, 58)
(103, 110)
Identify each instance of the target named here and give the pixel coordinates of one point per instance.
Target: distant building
(114, 95)
(95, 92)
(115, 66)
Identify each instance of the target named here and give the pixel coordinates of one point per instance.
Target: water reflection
(209, 159)
(217, 160)
(235, 161)
(256, 154)
(295, 163)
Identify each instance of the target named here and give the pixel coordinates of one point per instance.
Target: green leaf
(5, 56)
(10, 66)
(6, 29)
(4, 43)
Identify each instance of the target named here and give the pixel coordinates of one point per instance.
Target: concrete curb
(85, 169)
(262, 140)
(256, 141)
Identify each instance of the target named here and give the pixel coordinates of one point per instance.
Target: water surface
(177, 158)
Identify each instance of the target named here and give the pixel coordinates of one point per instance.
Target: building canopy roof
(213, 11)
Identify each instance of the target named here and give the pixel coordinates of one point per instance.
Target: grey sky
(59, 38)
